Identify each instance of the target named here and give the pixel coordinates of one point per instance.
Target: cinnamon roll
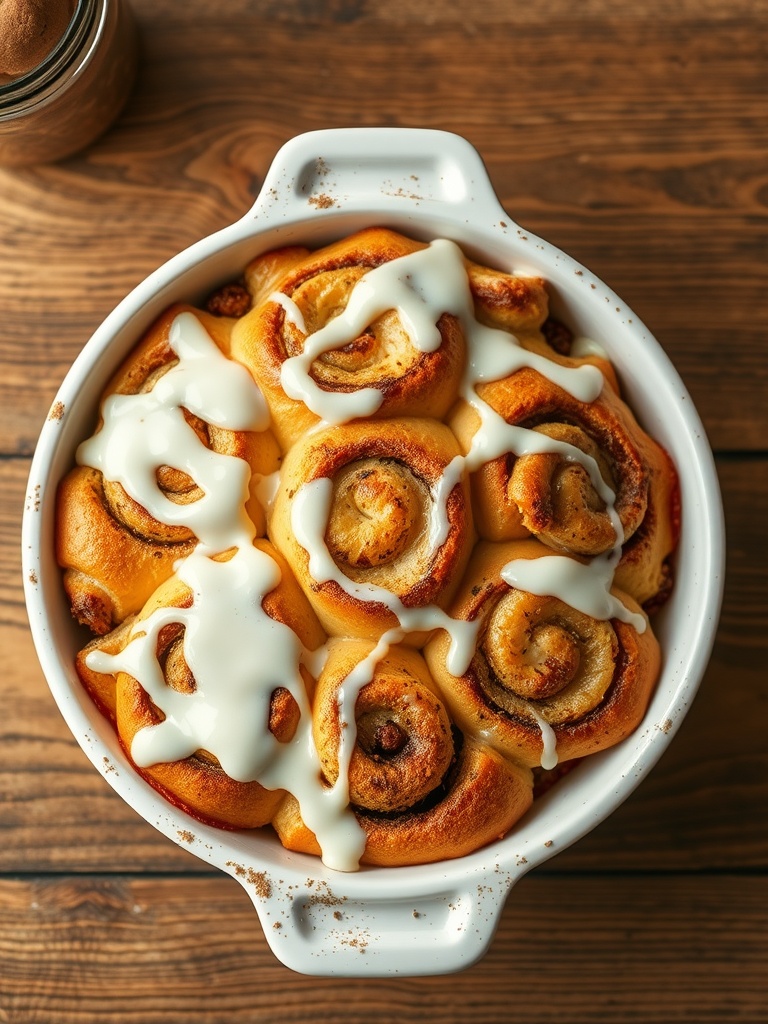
(144, 676)
(420, 790)
(317, 355)
(373, 524)
(520, 306)
(549, 492)
(548, 681)
(114, 550)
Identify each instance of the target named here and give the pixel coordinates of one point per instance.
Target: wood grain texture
(630, 160)
(182, 951)
(632, 135)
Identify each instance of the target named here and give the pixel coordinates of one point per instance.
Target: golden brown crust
(516, 304)
(420, 790)
(520, 305)
(552, 498)
(400, 463)
(537, 658)
(114, 553)
(197, 783)
(382, 356)
(110, 571)
(403, 744)
(645, 569)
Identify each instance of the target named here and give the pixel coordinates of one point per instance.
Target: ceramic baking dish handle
(372, 170)
(314, 931)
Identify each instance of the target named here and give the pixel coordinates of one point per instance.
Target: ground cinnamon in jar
(29, 31)
(66, 70)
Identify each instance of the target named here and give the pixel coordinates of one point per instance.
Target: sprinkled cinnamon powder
(322, 202)
(260, 882)
(29, 30)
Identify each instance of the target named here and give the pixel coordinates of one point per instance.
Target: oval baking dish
(440, 917)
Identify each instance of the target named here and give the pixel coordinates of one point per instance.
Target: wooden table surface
(635, 137)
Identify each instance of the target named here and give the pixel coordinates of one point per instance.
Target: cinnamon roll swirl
(419, 789)
(552, 495)
(114, 551)
(548, 681)
(158, 638)
(369, 352)
(373, 524)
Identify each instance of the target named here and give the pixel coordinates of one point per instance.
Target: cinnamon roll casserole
(367, 550)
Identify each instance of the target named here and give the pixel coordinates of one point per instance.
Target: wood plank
(656, 183)
(698, 809)
(632, 948)
(450, 12)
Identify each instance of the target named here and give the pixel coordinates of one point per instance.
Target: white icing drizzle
(267, 486)
(142, 432)
(582, 347)
(227, 714)
(227, 705)
(293, 314)
(439, 524)
(421, 287)
(226, 630)
(496, 437)
(549, 758)
(346, 700)
(585, 587)
(309, 517)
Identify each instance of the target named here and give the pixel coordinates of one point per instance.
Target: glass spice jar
(76, 92)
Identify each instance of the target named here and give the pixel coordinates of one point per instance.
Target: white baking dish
(437, 918)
